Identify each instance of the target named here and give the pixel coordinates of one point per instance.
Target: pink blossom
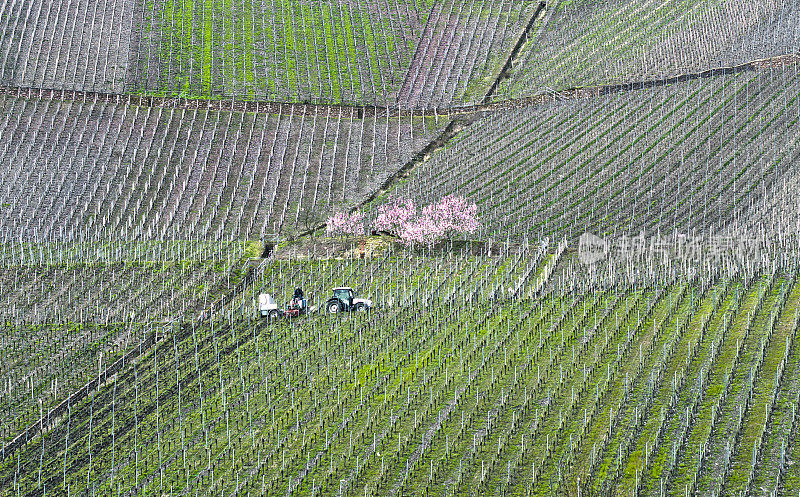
(344, 224)
(421, 231)
(393, 217)
(453, 215)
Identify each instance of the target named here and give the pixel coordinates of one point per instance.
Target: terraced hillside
(401, 52)
(332, 51)
(42, 283)
(71, 45)
(779, 208)
(407, 53)
(44, 364)
(582, 43)
(623, 322)
(152, 172)
(395, 280)
(69, 310)
(695, 156)
(678, 387)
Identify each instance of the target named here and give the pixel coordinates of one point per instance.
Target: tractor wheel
(274, 315)
(359, 307)
(333, 308)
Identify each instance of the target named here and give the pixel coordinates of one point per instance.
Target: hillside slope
(151, 172)
(568, 391)
(693, 157)
(407, 53)
(582, 43)
(75, 45)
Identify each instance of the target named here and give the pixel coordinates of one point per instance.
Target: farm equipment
(268, 307)
(297, 306)
(345, 299)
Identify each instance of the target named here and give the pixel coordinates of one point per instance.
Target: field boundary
(362, 111)
(505, 72)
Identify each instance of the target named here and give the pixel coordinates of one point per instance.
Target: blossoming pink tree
(451, 216)
(422, 230)
(454, 215)
(393, 217)
(345, 225)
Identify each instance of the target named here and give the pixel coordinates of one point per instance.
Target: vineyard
(403, 52)
(66, 313)
(76, 45)
(45, 283)
(584, 44)
(569, 232)
(399, 52)
(152, 172)
(681, 386)
(692, 157)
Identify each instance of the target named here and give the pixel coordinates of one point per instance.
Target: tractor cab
(345, 295)
(345, 299)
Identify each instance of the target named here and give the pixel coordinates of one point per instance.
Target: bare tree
(309, 218)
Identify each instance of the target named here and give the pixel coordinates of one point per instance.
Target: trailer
(268, 306)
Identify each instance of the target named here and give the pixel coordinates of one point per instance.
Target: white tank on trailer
(267, 306)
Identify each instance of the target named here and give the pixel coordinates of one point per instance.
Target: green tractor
(345, 299)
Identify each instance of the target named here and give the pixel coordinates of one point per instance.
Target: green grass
(209, 47)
